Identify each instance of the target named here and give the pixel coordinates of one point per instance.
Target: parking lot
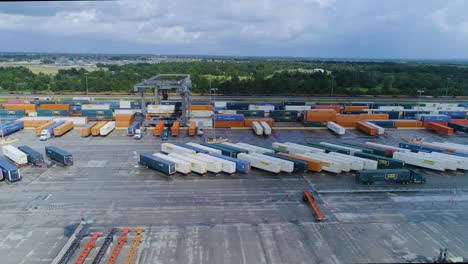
(242, 218)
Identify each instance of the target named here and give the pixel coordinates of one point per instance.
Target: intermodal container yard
(211, 191)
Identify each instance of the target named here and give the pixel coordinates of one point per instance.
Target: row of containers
(15, 157)
(371, 162)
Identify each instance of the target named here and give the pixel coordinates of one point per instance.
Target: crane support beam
(89, 246)
(136, 242)
(307, 197)
(122, 240)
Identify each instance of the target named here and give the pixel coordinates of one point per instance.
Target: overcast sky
(433, 29)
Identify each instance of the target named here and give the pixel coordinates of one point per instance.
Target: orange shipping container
(348, 118)
(228, 124)
(97, 127)
(374, 116)
(312, 165)
(123, 123)
(460, 121)
(86, 130)
(337, 108)
(248, 121)
(123, 117)
(320, 115)
(192, 129)
(440, 123)
(55, 107)
(355, 107)
(62, 129)
(40, 128)
(408, 123)
(201, 107)
(440, 128)
(34, 123)
(175, 129)
(366, 128)
(28, 108)
(158, 128)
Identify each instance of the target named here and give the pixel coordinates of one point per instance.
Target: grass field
(46, 69)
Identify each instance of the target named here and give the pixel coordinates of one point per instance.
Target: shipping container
(158, 129)
(158, 164)
(59, 155)
(449, 164)
(367, 164)
(297, 107)
(96, 106)
(48, 132)
(276, 150)
(212, 165)
(266, 128)
(383, 123)
(286, 165)
(260, 163)
(418, 147)
(242, 166)
(368, 149)
(295, 148)
(457, 127)
(439, 128)
(432, 118)
(202, 122)
(264, 108)
(76, 120)
(418, 160)
(39, 129)
(343, 147)
(224, 150)
(228, 124)
(237, 106)
(355, 164)
(258, 129)
(238, 148)
(34, 121)
(226, 165)
(107, 128)
(15, 155)
(228, 118)
(181, 166)
(391, 114)
(370, 130)
(172, 148)
(335, 128)
(192, 129)
(86, 130)
(98, 114)
(330, 148)
(11, 127)
(95, 130)
(249, 113)
(200, 113)
(35, 158)
(55, 107)
(299, 165)
(389, 149)
(394, 176)
(257, 149)
(383, 162)
(327, 164)
(53, 113)
(196, 165)
(248, 121)
(9, 171)
(133, 127)
(12, 113)
(187, 146)
(380, 130)
(320, 115)
(205, 148)
(200, 108)
(312, 164)
(62, 129)
(462, 162)
(454, 114)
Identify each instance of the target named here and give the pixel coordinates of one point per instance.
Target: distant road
(250, 98)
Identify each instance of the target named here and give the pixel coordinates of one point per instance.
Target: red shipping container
(228, 124)
(366, 128)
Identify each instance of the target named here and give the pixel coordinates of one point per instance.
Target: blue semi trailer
(9, 171)
(59, 155)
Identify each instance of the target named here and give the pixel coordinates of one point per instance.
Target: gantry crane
(89, 246)
(122, 240)
(165, 82)
(136, 242)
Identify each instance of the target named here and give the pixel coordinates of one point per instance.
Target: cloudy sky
(433, 29)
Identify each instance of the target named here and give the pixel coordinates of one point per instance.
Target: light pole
(332, 80)
(447, 87)
(86, 77)
(419, 99)
(213, 100)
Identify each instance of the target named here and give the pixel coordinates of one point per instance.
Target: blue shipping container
(131, 129)
(9, 171)
(299, 165)
(228, 118)
(434, 118)
(11, 127)
(52, 113)
(383, 123)
(241, 165)
(418, 148)
(59, 155)
(454, 114)
(198, 150)
(156, 163)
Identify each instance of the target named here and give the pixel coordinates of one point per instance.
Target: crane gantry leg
(89, 246)
(118, 247)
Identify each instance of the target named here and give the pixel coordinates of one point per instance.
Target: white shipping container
(380, 130)
(345, 164)
(210, 150)
(125, 104)
(355, 163)
(336, 128)
(327, 164)
(171, 148)
(202, 122)
(388, 147)
(14, 154)
(160, 109)
(367, 163)
(266, 108)
(286, 165)
(181, 166)
(246, 147)
(227, 166)
(228, 112)
(458, 147)
(297, 107)
(126, 111)
(82, 98)
(257, 128)
(107, 128)
(260, 163)
(256, 148)
(461, 161)
(306, 148)
(211, 165)
(450, 164)
(292, 148)
(32, 114)
(266, 128)
(77, 121)
(95, 107)
(196, 165)
(249, 150)
(351, 150)
(391, 108)
(419, 160)
(40, 118)
(201, 113)
(220, 104)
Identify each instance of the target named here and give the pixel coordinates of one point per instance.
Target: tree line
(275, 77)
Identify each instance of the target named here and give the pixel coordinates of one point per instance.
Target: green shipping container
(382, 162)
(369, 149)
(251, 113)
(4, 112)
(329, 148)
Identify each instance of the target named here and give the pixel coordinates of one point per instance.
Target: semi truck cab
(45, 135)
